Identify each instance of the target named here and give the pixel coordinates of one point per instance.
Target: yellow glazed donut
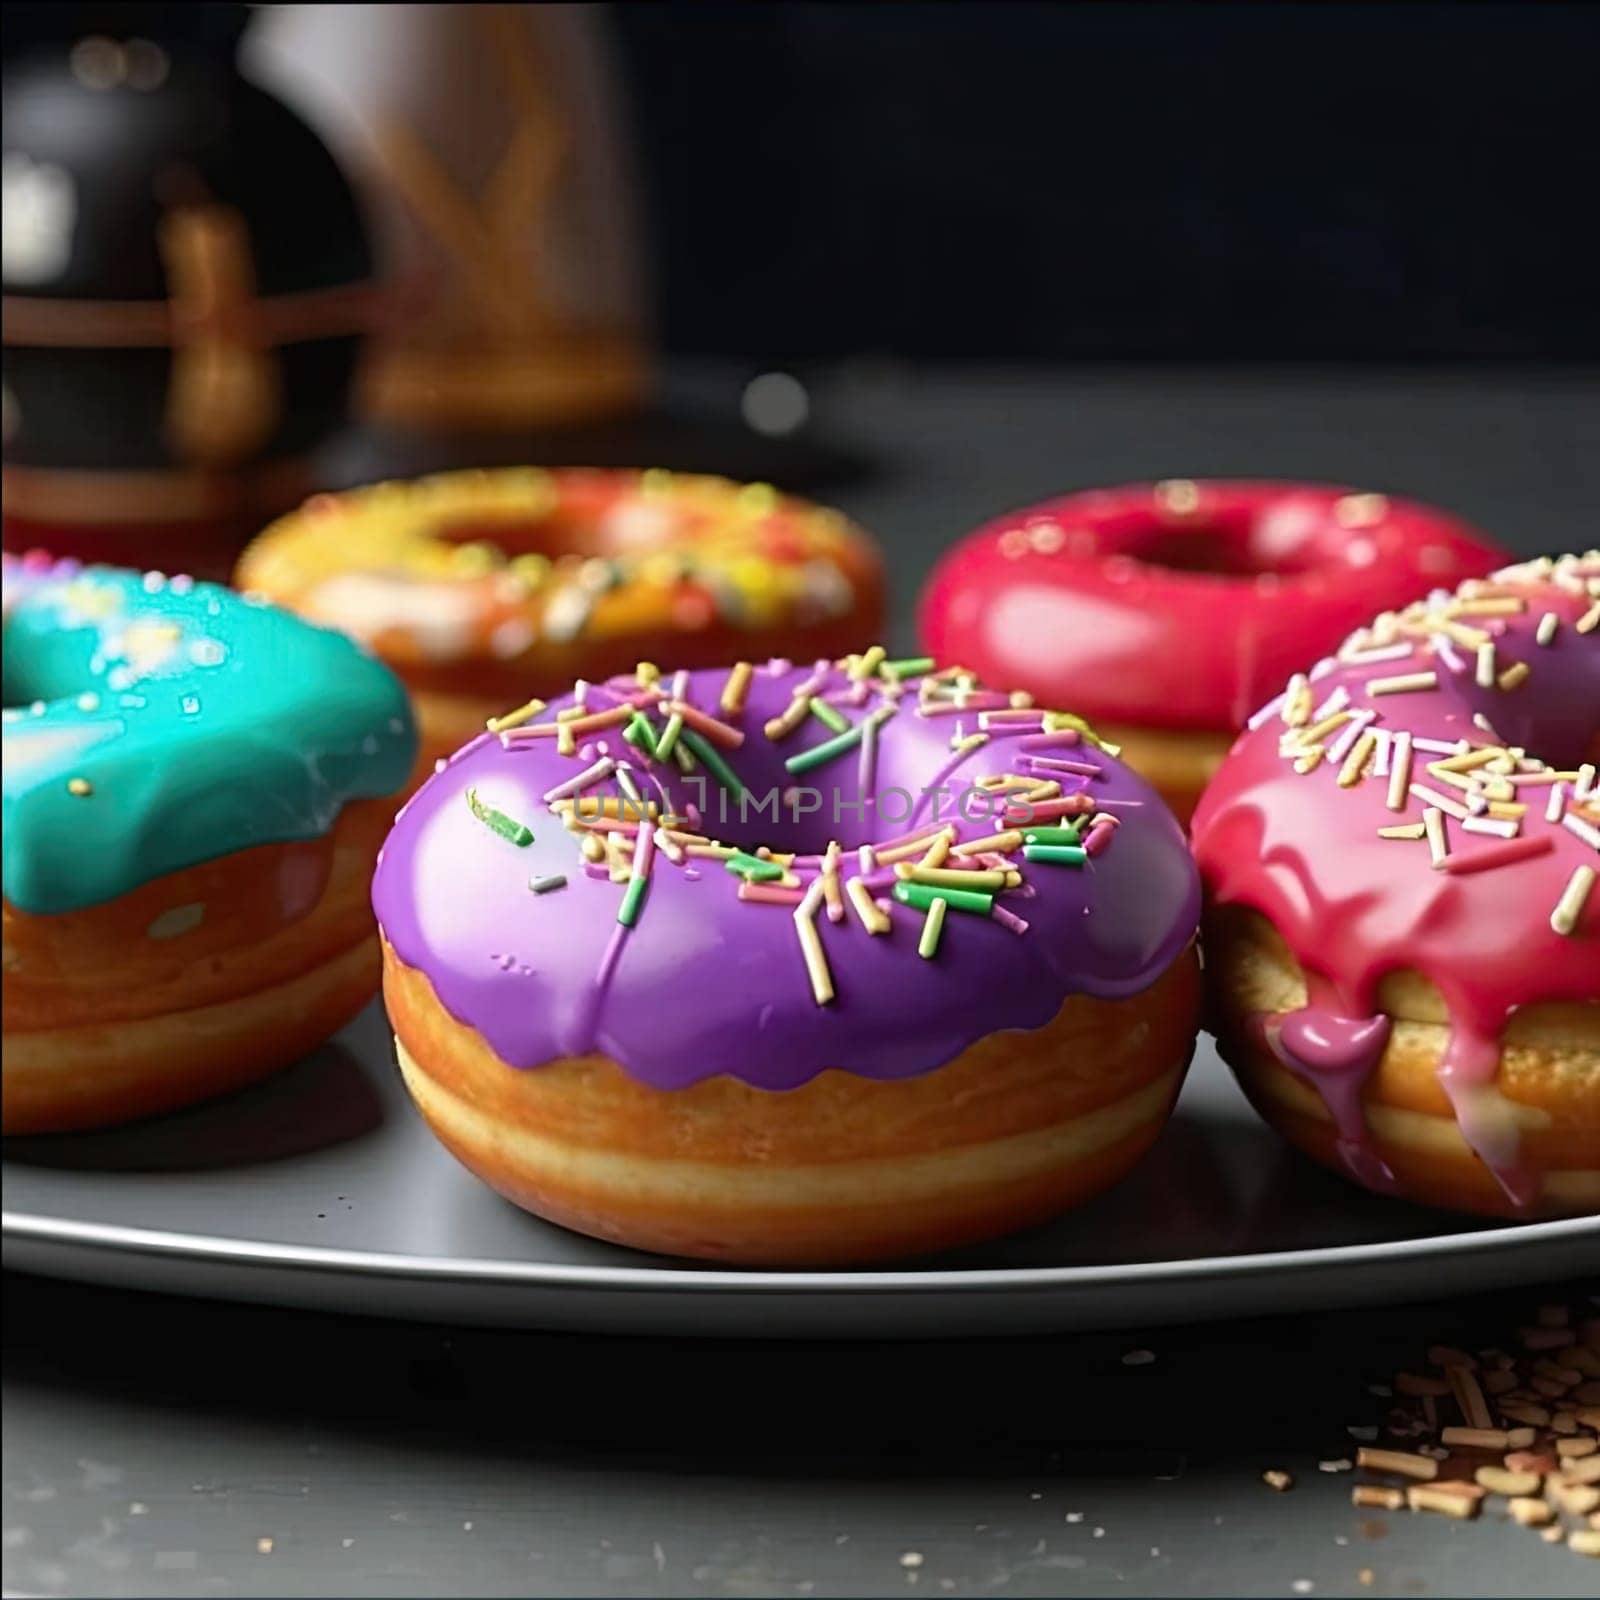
(481, 587)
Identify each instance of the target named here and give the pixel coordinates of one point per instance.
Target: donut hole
(623, 526)
(1292, 535)
(1205, 551)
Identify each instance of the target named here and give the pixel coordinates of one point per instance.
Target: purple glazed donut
(788, 963)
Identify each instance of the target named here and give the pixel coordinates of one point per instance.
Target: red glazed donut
(1168, 611)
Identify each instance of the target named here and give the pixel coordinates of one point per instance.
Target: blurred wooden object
(489, 141)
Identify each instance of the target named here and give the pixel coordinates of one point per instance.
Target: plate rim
(27, 1227)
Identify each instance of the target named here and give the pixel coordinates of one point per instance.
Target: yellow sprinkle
(1487, 606)
(566, 744)
(933, 923)
(1180, 497)
(872, 918)
(1311, 735)
(515, 719)
(79, 786)
(782, 725)
(1355, 763)
(1403, 830)
(973, 741)
(735, 689)
(1403, 683)
(1564, 919)
(1590, 620)
(998, 843)
(937, 852)
(1309, 760)
(646, 674)
(913, 847)
(868, 664)
(1514, 676)
(1360, 510)
(1297, 701)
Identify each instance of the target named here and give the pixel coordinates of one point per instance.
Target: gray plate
(322, 1188)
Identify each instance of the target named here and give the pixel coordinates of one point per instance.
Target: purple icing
(706, 983)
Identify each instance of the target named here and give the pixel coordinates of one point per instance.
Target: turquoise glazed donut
(186, 778)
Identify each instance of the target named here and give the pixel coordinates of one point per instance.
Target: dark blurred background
(1113, 180)
(1116, 180)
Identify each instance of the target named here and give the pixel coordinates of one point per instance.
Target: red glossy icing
(1352, 906)
(1183, 605)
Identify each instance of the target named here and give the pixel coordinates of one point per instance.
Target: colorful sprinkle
(922, 895)
(1060, 855)
(519, 833)
(711, 757)
(932, 928)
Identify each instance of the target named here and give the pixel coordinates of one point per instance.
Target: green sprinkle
(922, 896)
(507, 827)
(819, 754)
(1067, 835)
(1061, 855)
(632, 899)
(932, 928)
(684, 756)
(641, 735)
(828, 717)
(712, 759)
(910, 667)
(753, 867)
(668, 741)
(545, 885)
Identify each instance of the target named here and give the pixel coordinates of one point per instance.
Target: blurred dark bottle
(187, 284)
(489, 143)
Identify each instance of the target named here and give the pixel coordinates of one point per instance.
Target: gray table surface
(155, 1446)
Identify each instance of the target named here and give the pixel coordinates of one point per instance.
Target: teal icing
(202, 722)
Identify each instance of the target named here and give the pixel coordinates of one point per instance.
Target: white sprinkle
(1584, 787)
(1380, 753)
(1557, 802)
(1336, 701)
(1267, 712)
(911, 1560)
(1400, 774)
(1590, 835)
(1489, 825)
(1342, 1464)
(1546, 630)
(1348, 735)
(1438, 843)
(603, 768)
(1322, 668)
(1441, 747)
(1377, 654)
(1444, 803)
(1486, 667)
(1448, 654)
